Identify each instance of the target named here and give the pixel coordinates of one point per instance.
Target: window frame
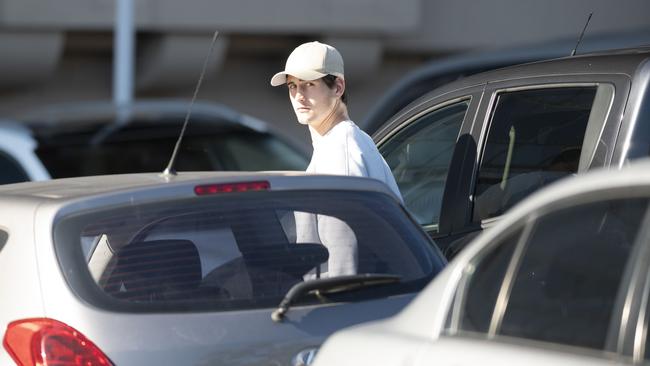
(631, 313)
(634, 336)
(422, 107)
(600, 135)
(72, 261)
(420, 122)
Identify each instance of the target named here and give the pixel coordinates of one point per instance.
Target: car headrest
(157, 265)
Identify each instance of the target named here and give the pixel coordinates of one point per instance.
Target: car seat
(156, 270)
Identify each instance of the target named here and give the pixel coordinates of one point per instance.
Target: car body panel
(18, 144)
(632, 145)
(621, 78)
(237, 337)
(442, 71)
(426, 326)
(454, 352)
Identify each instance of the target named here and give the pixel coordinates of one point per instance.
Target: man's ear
(340, 87)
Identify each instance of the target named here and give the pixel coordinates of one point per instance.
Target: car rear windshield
(145, 146)
(240, 250)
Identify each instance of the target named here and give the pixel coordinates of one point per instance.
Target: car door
(531, 132)
(568, 279)
(419, 145)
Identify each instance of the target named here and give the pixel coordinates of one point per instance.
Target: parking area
(338, 183)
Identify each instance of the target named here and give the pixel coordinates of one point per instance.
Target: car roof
(157, 184)
(46, 121)
(623, 61)
(442, 71)
(160, 109)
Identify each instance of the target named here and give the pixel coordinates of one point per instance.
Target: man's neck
(339, 114)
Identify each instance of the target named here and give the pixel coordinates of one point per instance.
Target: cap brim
(281, 77)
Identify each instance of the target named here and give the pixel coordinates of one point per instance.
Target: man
(315, 79)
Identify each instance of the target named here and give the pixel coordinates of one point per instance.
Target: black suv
(466, 152)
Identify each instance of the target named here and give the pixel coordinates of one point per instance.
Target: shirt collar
(316, 137)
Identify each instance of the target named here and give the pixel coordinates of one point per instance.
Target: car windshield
(240, 250)
(143, 146)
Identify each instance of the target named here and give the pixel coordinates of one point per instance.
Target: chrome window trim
(641, 326)
(503, 297)
(638, 330)
(639, 93)
(524, 225)
(605, 94)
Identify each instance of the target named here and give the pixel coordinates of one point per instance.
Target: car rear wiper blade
(330, 285)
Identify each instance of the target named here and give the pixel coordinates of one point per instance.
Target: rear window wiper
(330, 285)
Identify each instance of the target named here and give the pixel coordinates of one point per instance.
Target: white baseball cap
(311, 61)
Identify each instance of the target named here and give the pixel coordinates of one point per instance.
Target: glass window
(419, 157)
(485, 283)
(569, 277)
(145, 146)
(260, 152)
(241, 250)
(10, 170)
(535, 138)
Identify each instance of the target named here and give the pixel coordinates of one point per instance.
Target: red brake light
(47, 342)
(231, 187)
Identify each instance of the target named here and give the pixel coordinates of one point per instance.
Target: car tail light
(47, 342)
(231, 187)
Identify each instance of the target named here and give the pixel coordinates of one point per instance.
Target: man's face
(312, 101)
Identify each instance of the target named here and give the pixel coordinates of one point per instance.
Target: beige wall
(60, 51)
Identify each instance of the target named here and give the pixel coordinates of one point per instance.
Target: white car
(201, 268)
(563, 278)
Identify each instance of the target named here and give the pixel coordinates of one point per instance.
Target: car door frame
(626, 336)
(599, 140)
(422, 107)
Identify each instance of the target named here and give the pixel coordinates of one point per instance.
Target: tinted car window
(486, 281)
(564, 282)
(144, 147)
(238, 250)
(419, 157)
(535, 137)
(570, 275)
(10, 170)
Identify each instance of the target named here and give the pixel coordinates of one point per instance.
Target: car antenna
(573, 52)
(169, 170)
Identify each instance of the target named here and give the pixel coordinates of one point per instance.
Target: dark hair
(330, 80)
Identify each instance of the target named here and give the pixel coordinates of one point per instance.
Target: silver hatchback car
(197, 268)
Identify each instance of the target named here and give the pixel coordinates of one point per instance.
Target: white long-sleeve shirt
(343, 150)
(347, 150)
